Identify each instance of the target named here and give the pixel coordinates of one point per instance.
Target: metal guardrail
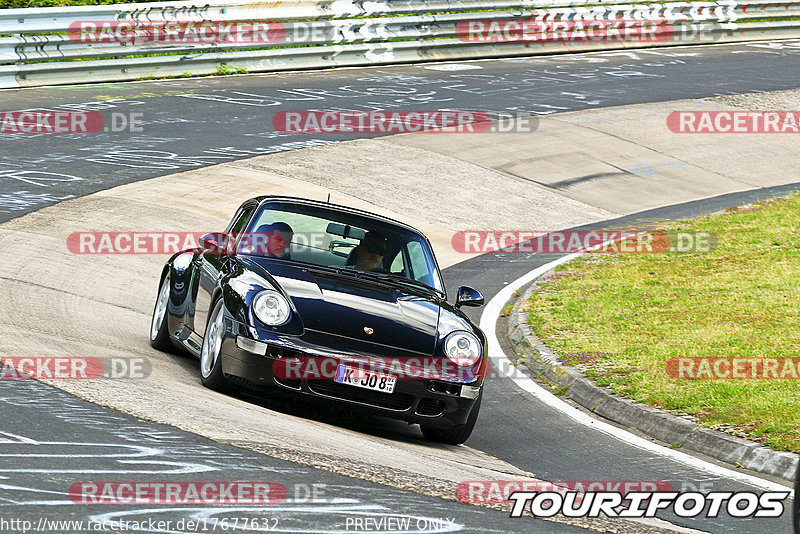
(47, 46)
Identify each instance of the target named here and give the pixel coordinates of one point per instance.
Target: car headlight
(462, 348)
(271, 308)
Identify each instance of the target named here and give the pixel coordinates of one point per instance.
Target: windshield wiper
(383, 278)
(403, 280)
(351, 273)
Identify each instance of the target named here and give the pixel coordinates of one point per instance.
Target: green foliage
(224, 70)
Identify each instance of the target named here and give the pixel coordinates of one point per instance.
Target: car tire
(457, 434)
(211, 352)
(159, 324)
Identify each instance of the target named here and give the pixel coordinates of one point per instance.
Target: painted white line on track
(501, 361)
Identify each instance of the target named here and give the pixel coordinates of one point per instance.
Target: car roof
(327, 205)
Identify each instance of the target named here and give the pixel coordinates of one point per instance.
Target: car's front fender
(240, 287)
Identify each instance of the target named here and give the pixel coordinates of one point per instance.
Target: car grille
(428, 406)
(391, 401)
(446, 388)
(279, 352)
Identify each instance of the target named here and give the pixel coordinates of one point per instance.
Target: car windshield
(335, 239)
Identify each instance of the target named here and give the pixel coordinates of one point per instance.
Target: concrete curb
(663, 426)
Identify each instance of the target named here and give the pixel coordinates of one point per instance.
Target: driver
(275, 239)
(370, 252)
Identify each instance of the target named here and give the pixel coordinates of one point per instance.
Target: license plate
(361, 378)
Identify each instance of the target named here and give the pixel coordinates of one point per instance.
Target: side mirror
(468, 297)
(214, 242)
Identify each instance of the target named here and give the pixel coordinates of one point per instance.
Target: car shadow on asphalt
(333, 413)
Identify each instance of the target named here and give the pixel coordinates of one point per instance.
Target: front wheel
(159, 329)
(459, 433)
(210, 360)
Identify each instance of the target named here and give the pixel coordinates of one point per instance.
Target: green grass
(9, 4)
(620, 317)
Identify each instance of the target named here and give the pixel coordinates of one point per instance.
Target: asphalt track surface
(194, 123)
(55, 440)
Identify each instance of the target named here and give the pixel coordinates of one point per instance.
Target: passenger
(370, 251)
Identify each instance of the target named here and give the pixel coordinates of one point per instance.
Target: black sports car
(332, 302)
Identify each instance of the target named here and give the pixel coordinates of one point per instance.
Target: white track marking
(14, 438)
(179, 468)
(501, 361)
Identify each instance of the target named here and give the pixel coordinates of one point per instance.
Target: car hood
(356, 314)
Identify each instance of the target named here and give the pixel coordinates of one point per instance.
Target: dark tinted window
(330, 238)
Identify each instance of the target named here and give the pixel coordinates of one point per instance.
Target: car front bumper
(430, 402)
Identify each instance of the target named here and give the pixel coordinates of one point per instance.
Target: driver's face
(279, 243)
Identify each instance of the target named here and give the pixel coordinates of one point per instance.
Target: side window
(419, 263)
(239, 220)
(398, 264)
